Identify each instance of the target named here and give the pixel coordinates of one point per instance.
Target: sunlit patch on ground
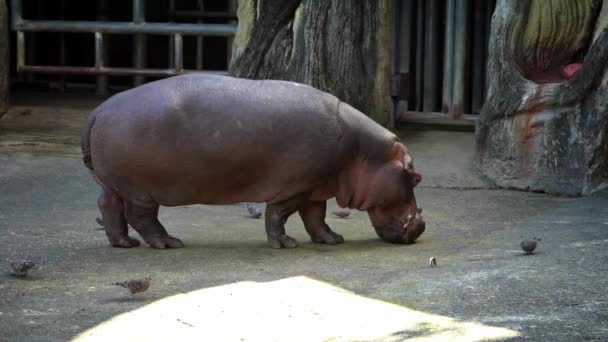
(291, 309)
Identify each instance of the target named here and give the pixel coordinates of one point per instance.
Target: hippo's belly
(199, 154)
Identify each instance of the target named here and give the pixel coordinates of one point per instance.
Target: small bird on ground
(433, 262)
(254, 211)
(528, 246)
(99, 221)
(341, 212)
(19, 268)
(135, 285)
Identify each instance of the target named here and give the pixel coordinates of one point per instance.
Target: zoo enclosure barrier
(138, 27)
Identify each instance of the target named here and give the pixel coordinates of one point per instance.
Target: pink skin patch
(569, 70)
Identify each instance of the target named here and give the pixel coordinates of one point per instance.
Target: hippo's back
(214, 139)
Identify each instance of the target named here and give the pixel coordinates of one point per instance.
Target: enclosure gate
(138, 27)
(440, 56)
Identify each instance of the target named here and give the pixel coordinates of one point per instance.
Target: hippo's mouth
(402, 232)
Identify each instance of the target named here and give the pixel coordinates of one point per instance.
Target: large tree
(544, 124)
(342, 47)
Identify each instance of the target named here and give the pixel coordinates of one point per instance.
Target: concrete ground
(227, 284)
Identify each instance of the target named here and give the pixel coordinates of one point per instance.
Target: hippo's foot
(124, 242)
(327, 236)
(313, 216)
(145, 221)
(164, 242)
(282, 241)
(114, 222)
(276, 216)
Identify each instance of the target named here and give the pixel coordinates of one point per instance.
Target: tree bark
(4, 58)
(544, 124)
(341, 47)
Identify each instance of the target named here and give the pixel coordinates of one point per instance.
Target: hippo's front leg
(276, 217)
(313, 216)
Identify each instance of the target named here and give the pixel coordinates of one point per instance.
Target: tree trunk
(341, 47)
(544, 124)
(4, 58)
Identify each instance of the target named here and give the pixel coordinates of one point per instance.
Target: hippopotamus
(211, 139)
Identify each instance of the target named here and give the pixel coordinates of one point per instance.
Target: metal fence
(440, 59)
(138, 27)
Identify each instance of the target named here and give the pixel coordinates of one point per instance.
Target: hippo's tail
(85, 141)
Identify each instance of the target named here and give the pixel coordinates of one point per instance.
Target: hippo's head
(397, 218)
(389, 197)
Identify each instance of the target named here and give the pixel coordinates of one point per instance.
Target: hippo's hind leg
(313, 216)
(276, 217)
(114, 223)
(144, 219)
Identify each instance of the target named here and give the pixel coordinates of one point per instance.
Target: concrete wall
(4, 57)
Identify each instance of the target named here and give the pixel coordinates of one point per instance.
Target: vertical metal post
(460, 58)
(480, 42)
(431, 55)
(62, 55)
(4, 58)
(171, 42)
(179, 50)
(199, 41)
(16, 11)
(232, 8)
(139, 51)
(100, 51)
(420, 19)
(20, 49)
(490, 7)
(31, 44)
(401, 56)
(448, 54)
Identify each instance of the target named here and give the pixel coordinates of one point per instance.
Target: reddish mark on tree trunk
(525, 131)
(569, 70)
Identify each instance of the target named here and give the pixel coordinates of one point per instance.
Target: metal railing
(138, 27)
(440, 57)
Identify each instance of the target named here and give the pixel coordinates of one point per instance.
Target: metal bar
(199, 41)
(420, 18)
(112, 71)
(20, 50)
(448, 57)
(125, 27)
(480, 42)
(460, 58)
(62, 54)
(405, 36)
(232, 6)
(203, 15)
(171, 43)
(16, 12)
(431, 56)
(100, 51)
(432, 119)
(179, 50)
(139, 40)
(490, 7)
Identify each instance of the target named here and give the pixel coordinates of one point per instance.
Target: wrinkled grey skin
(201, 139)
